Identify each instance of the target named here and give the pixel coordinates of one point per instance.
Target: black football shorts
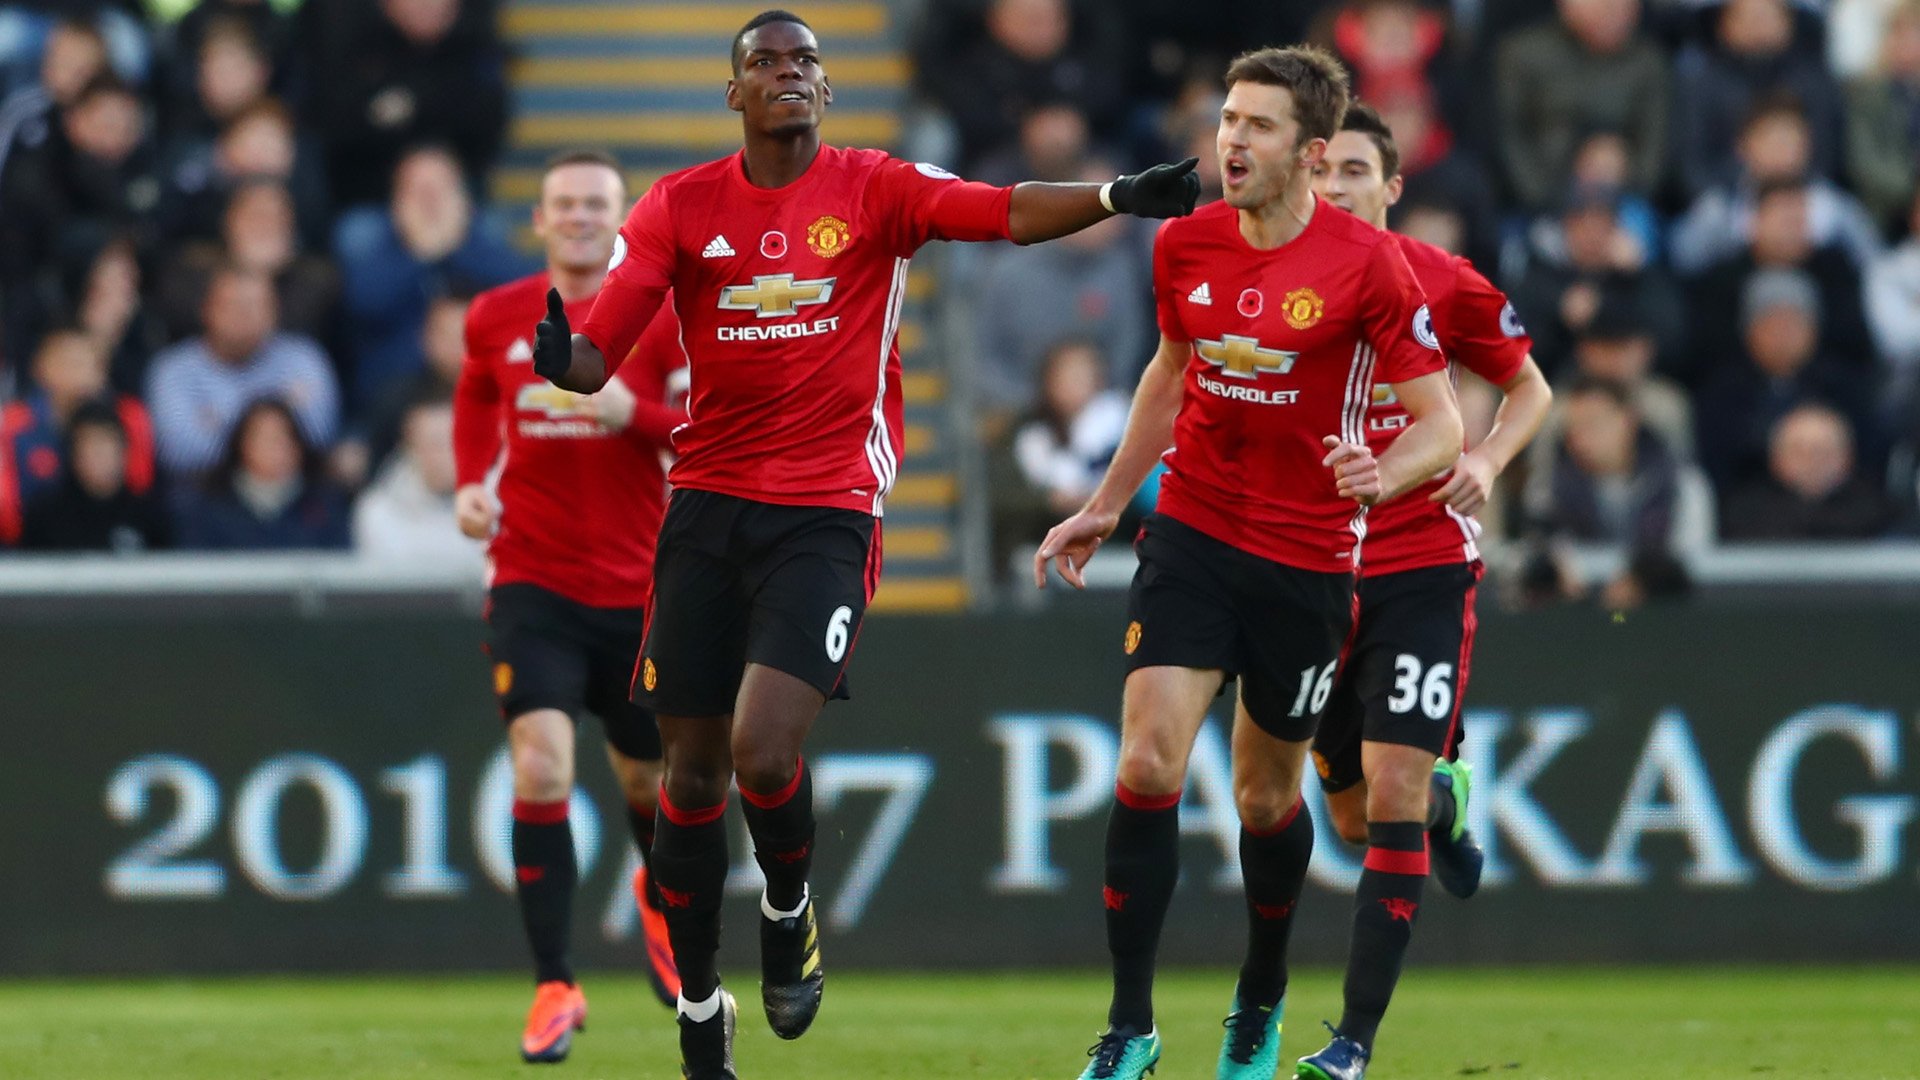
(1406, 672)
(740, 582)
(1198, 602)
(550, 652)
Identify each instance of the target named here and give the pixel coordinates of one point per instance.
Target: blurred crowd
(238, 237)
(1705, 214)
(237, 242)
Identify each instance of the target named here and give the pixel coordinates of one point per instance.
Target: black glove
(1163, 191)
(553, 341)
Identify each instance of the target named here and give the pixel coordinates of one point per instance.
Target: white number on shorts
(1317, 684)
(1434, 693)
(837, 633)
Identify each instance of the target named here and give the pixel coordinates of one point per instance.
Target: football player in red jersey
(1383, 748)
(1278, 314)
(565, 623)
(788, 264)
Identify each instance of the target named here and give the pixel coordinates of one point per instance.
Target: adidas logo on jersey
(520, 352)
(717, 248)
(1201, 295)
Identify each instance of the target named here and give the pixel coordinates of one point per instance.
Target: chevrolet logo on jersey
(1383, 394)
(544, 397)
(772, 296)
(1244, 357)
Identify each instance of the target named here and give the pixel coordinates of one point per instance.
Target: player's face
(782, 87)
(1259, 145)
(1349, 178)
(579, 215)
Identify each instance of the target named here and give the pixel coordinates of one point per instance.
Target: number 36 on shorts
(1428, 686)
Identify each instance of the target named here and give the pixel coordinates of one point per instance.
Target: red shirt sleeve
(637, 279)
(658, 354)
(1394, 319)
(913, 203)
(1165, 297)
(1487, 335)
(476, 410)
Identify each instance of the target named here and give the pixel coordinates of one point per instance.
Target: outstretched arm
(1156, 404)
(1040, 212)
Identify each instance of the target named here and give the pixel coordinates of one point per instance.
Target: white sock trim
(699, 1011)
(771, 912)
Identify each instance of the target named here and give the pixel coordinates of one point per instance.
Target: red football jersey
(580, 506)
(1287, 345)
(789, 300)
(1478, 328)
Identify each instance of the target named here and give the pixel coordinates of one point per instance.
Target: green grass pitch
(1754, 1023)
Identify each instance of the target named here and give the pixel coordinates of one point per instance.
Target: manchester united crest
(502, 679)
(1303, 308)
(649, 678)
(1133, 637)
(828, 236)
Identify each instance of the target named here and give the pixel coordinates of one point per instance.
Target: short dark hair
(1366, 120)
(581, 156)
(775, 15)
(1769, 105)
(98, 414)
(1612, 389)
(105, 83)
(1317, 81)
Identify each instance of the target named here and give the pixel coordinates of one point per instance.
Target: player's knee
(540, 775)
(1397, 791)
(1151, 767)
(1263, 805)
(542, 772)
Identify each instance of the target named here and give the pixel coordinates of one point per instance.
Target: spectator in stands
(96, 506)
(1811, 490)
(1618, 347)
(1783, 368)
(258, 232)
(395, 260)
(417, 71)
(1612, 480)
(75, 55)
(1577, 261)
(1781, 237)
(114, 313)
(268, 22)
(261, 143)
(231, 71)
(198, 388)
(1774, 147)
(69, 373)
(407, 514)
(97, 177)
(1756, 52)
(1053, 460)
(267, 492)
(1457, 179)
(1893, 307)
(1032, 55)
(1396, 51)
(1091, 284)
(1601, 161)
(1590, 70)
(374, 432)
(1883, 119)
(1053, 145)
(1433, 221)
